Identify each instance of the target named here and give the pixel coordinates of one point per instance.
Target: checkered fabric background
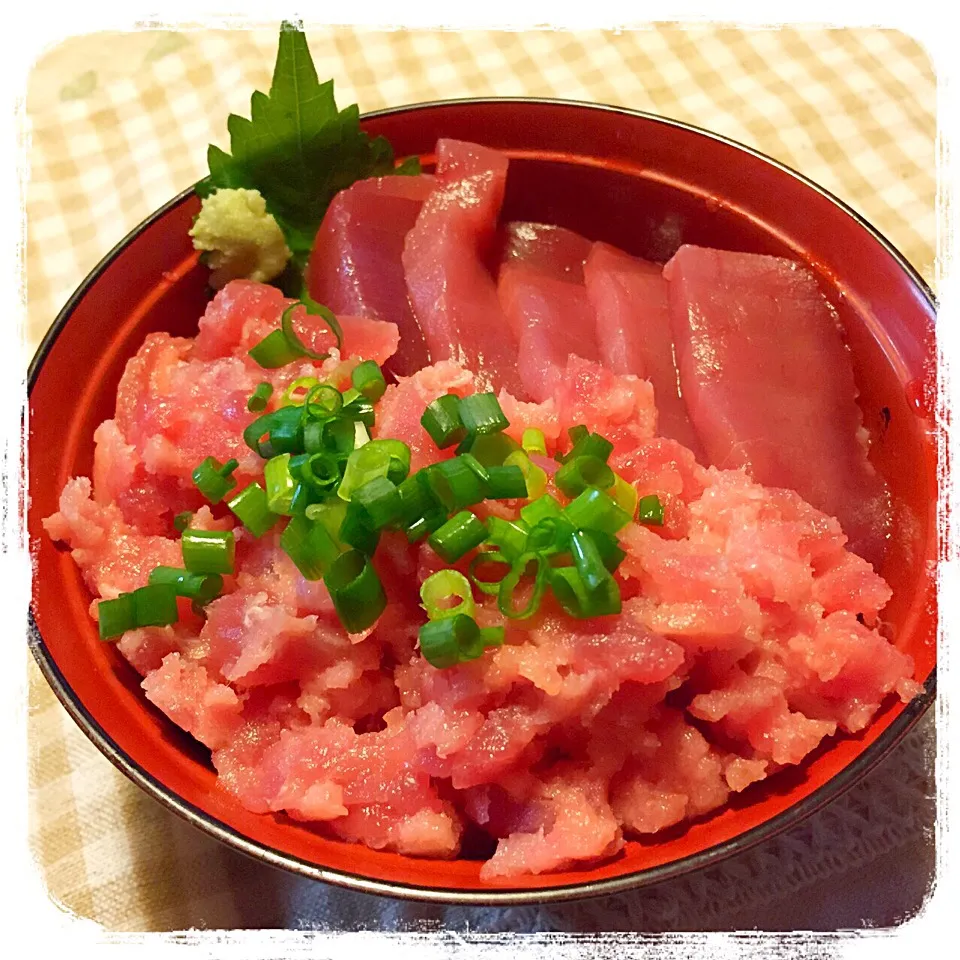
(119, 123)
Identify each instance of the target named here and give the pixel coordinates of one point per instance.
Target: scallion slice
(508, 536)
(356, 591)
(581, 472)
(650, 510)
(550, 536)
(200, 587)
(423, 526)
(260, 397)
(367, 378)
(485, 559)
(587, 559)
(155, 605)
(250, 508)
(455, 484)
(322, 402)
(298, 391)
(594, 510)
(360, 409)
(379, 500)
(357, 531)
(321, 471)
(274, 351)
(286, 325)
(415, 500)
(537, 510)
(443, 588)
(458, 536)
(535, 477)
(624, 495)
(481, 414)
(506, 483)
(279, 431)
(442, 421)
(578, 600)
(208, 551)
(491, 449)
(510, 583)
(213, 479)
(441, 641)
(534, 441)
(280, 484)
(182, 520)
(309, 545)
(117, 616)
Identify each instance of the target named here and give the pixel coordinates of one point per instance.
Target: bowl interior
(641, 183)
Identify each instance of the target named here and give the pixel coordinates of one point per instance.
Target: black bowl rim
(495, 896)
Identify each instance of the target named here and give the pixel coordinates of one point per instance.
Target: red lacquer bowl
(638, 181)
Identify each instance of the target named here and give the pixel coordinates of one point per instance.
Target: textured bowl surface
(637, 181)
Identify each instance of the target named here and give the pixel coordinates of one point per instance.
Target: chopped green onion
(298, 391)
(201, 587)
(273, 351)
(535, 477)
(587, 559)
(331, 513)
(578, 600)
(481, 414)
(473, 647)
(587, 471)
(349, 395)
(491, 449)
(335, 434)
(379, 500)
(182, 520)
(476, 466)
(367, 378)
(594, 510)
(399, 459)
(356, 591)
(415, 500)
(208, 551)
(458, 536)
(455, 484)
(260, 396)
(279, 431)
(442, 421)
(492, 637)
(115, 617)
(280, 484)
(323, 402)
(321, 471)
(624, 495)
(588, 445)
(508, 536)
(286, 325)
(509, 584)
(608, 548)
(250, 508)
(213, 479)
(155, 605)
(551, 535)
(494, 557)
(423, 526)
(534, 441)
(309, 545)
(650, 510)
(365, 464)
(507, 483)
(441, 641)
(440, 588)
(357, 530)
(360, 409)
(537, 510)
(361, 436)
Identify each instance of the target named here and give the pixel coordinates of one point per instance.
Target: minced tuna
(747, 634)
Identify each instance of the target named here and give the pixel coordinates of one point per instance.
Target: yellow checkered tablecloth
(119, 123)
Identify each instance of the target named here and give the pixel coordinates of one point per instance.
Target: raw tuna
(355, 267)
(769, 384)
(542, 294)
(453, 294)
(630, 300)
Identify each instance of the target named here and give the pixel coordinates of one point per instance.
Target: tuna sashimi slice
(355, 266)
(454, 297)
(543, 297)
(769, 384)
(630, 300)
(550, 250)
